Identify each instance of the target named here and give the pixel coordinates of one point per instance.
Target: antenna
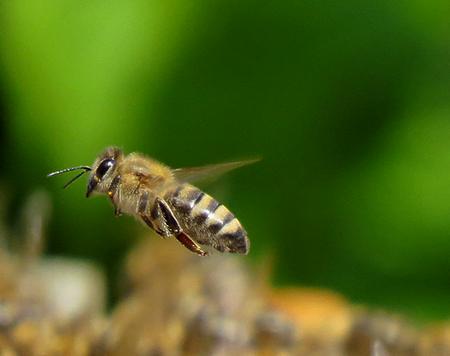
(84, 168)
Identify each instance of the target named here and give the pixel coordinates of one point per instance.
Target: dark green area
(347, 103)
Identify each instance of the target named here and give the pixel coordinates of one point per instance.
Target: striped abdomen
(207, 221)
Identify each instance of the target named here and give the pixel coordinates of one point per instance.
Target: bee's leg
(117, 211)
(162, 215)
(112, 191)
(159, 216)
(142, 211)
(146, 217)
(190, 244)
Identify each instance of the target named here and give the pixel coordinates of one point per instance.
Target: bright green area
(347, 102)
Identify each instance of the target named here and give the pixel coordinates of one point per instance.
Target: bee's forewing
(198, 174)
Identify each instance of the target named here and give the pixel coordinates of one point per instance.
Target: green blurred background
(347, 103)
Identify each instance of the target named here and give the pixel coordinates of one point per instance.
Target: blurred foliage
(348, 104)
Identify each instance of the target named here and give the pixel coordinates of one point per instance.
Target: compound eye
(104, 167)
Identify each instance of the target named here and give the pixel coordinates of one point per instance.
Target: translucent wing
(198, 174)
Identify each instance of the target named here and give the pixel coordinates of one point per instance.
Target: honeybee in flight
(164, 199)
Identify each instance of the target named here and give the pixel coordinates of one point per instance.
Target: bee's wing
(198, 174)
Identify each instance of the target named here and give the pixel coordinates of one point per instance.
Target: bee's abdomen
(207, 221)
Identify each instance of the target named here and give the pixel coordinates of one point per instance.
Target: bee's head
(102, 172)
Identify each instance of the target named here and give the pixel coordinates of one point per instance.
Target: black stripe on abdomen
(202, 216)
(185, 198)
(235, 241)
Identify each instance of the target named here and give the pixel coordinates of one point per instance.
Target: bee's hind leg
(164, 222)
(170, 220)
(190, 244)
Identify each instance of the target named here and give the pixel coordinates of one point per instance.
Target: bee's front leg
(117, 211)
(112, 192)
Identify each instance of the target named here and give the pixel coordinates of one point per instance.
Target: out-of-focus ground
(176, 303)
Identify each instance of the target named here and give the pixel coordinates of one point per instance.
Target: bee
(165, 200)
